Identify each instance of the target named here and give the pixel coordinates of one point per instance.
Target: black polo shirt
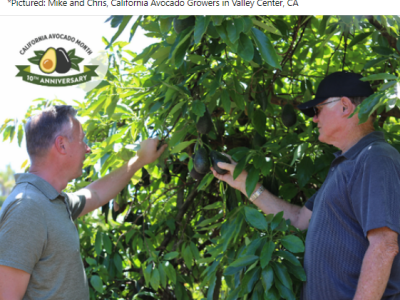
(360, 193)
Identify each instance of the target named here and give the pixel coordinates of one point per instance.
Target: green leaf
(195, 251)
(293, 243)
(147, 274)
(20, 134)
(134, 27)
(107, 243)
(200, 27)
(255, 218)
(284, 291)
(382, 50)
(41, 52)
(233, 35)
(249, 281)
(245, 47)
(259, 122)
(380, 76)
(282, 274)
(233, 295)
(171, 255)
(266, 253)
(34, 60)
(188, 257)
(268, 26)
(181, 146)
(213, 206)
(239, 167)
(118, 262)
(374, 62)
(226, 101)
(289, 257)
(181, 52)
(359, 38)
(98, 243)
(198, 108)
(244, 261)
(121, 28)
(251, 181)
(276, 220)
(266, 49)
(155, 279)
(217, 20)
(171, 273)
(305, 169)
(267, 278)
(163, 275)
(97, 283)
(297, 271)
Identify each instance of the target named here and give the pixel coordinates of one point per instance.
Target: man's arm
(377, 264)
(13, 283)
(267, 202)
(104, 189)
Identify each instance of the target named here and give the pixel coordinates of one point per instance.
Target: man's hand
(104, 189)
(268, 203)
(239, 183)
(148, 152)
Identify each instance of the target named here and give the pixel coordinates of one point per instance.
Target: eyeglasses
(316, 110)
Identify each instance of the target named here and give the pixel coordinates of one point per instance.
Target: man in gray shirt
(39, 243)
(353, 220)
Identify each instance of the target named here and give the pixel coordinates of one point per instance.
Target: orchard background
(169, 236)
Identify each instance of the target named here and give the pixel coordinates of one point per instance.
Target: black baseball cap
(338, 84)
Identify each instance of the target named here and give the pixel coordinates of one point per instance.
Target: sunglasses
(317, 111)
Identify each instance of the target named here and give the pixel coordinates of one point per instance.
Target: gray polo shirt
(38, 236)
(360, 193)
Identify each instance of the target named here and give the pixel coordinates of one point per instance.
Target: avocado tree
(216, 84)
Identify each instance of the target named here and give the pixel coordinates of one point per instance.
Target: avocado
(195, 175)
(258, 140)
(166, 176)
(63, 61)
(181, 24)
(205, 124)
(201, 162)
(289, 116)
(48, 62)
(145, 178)
(261, 97)
(217, 157)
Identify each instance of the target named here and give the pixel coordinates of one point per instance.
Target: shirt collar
(361, 144)
(42, 185)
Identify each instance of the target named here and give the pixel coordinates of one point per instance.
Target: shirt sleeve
(376, 194)
(23, 235)
(76, 204)
(310, 202)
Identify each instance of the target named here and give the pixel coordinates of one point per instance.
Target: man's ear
(60, 145)
(347, 106)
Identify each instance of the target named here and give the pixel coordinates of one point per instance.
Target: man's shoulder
(380, 150)
(23, 198)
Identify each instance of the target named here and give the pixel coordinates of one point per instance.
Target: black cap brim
(307, 107)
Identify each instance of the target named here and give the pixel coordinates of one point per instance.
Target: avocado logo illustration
(52, 62)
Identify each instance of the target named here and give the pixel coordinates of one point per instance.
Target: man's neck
(51, 176)
(351, 139)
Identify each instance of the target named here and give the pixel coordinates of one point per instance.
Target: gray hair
(42, 129)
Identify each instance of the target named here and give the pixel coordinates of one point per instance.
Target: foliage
(6, 183)
(177, 238)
